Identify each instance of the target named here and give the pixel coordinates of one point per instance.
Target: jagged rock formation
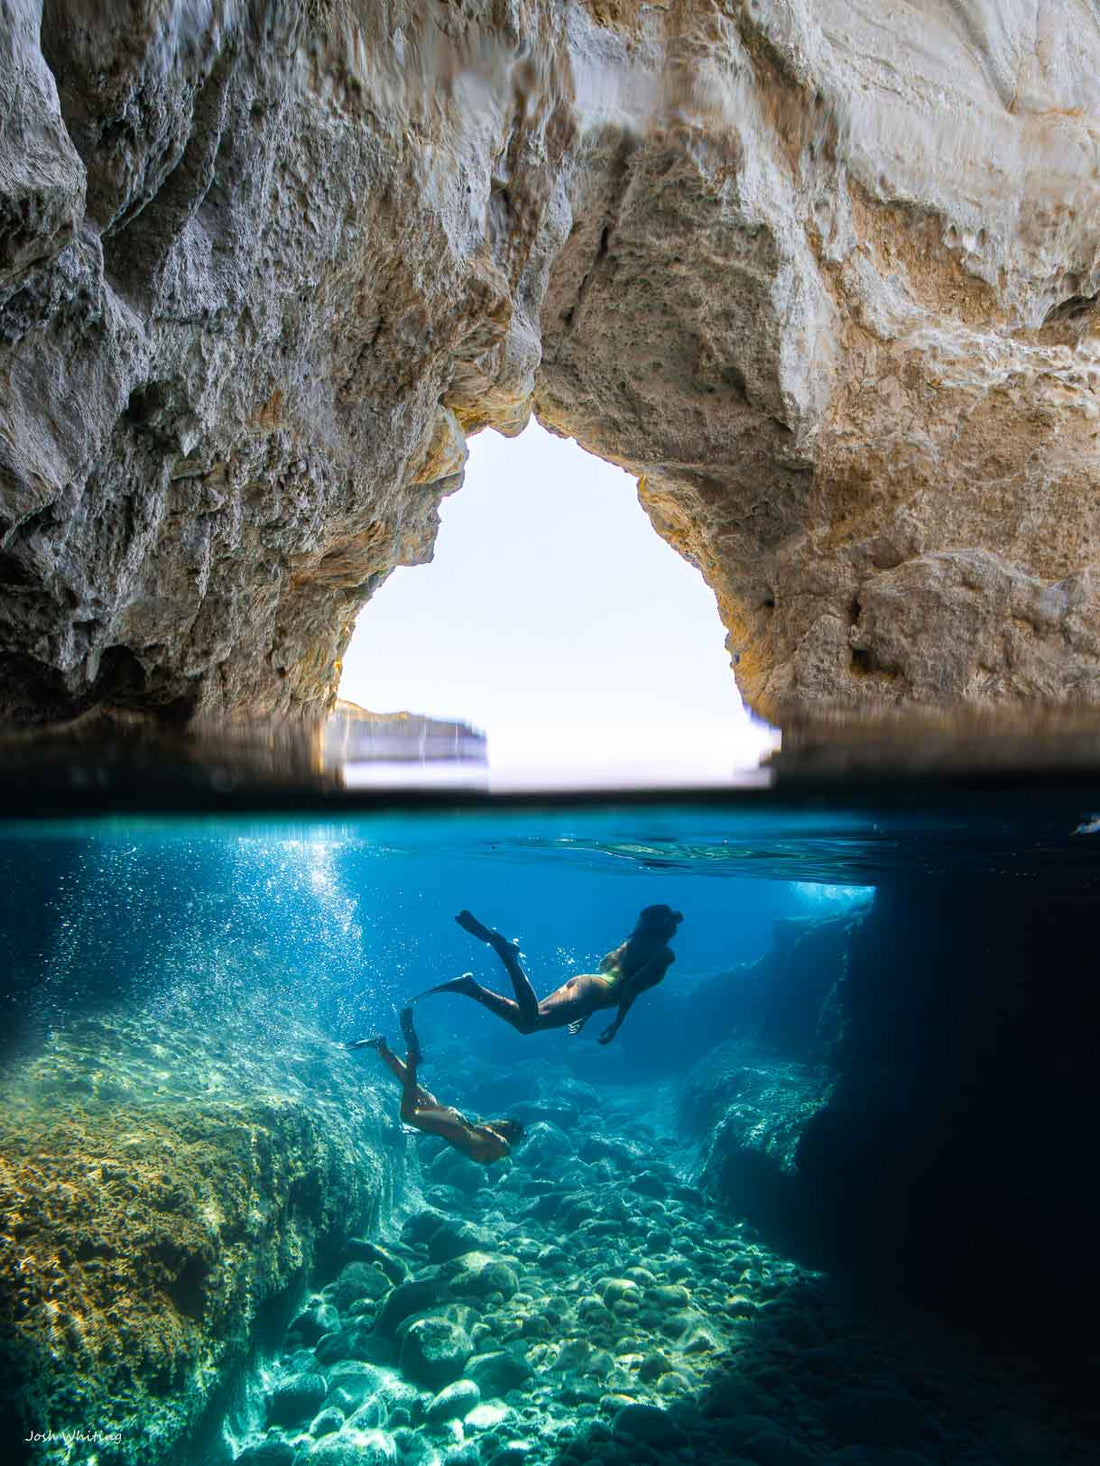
(828, 286)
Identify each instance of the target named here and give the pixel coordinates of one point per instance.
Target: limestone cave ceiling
(826, 282)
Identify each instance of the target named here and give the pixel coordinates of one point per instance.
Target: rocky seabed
(586, 1304)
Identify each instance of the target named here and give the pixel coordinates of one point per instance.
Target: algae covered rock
(363, 1249)
(434, 1352)
(153, 1213)
(451, 1239)
(352, 1381)
(455, 1401)
(359, 1280)
(481, 1274)
(267, 1453)
(296, 1399)
(498, 1372)
(354, 1448)
(408, 1299)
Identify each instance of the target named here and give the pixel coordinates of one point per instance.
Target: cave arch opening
(556, 620)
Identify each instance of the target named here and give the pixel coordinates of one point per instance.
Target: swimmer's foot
(376, 1043)
(469, 923)
(405, 1018)
(499, 943)
(464, 984)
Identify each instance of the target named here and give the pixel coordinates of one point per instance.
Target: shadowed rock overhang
(828, 288)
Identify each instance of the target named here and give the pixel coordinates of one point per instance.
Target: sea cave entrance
(554, 619)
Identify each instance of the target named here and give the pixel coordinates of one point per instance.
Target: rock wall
(909, 1095)
(166, 1194)
(829, 287)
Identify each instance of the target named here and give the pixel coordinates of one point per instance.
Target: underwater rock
(772, 1448)
(456, 1177)
(451, 1239)
(546, 1148)
(434, 1352)
(457, 1400)
(362, 1249)
(123, 1178)
(267, 1453)
(358, 1280)
(513, 1453)
(481, 1274)
(320, 1319)
(418, 1227)
(651, 1425)
(751, 1109)
(331, 1418)
(296, 1399)
(357, 1341)
(351, 1381)
(354, 1448)
(409, 1298)
(498, 1372)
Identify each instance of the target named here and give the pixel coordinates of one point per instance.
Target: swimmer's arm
(646, 977)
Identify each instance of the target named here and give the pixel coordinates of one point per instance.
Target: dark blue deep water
(827, 1197)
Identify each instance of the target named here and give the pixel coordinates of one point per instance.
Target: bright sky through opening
(555, 619)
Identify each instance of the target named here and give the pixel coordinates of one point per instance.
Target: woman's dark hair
(647, 917)
(650, 915)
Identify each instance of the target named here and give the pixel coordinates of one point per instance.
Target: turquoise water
(823, 1199)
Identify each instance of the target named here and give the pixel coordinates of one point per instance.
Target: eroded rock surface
(165, 1195)
(828, 286)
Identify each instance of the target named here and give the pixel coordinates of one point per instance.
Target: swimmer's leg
(526, 999)
(415, 1100)
(412, 1043)
(388, 1057)
(503, 1007)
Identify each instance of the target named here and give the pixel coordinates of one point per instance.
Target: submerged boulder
(434, 1352)
(480, 1273)
(455, 1401)
(359, 1280)
(650, 1425)
(452, 1239)
(196, 1181)
(296, 1399)
(409, 1298)
(498, 1372)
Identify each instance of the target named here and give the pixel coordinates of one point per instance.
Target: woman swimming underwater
(485, 1141)
(637, 964)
